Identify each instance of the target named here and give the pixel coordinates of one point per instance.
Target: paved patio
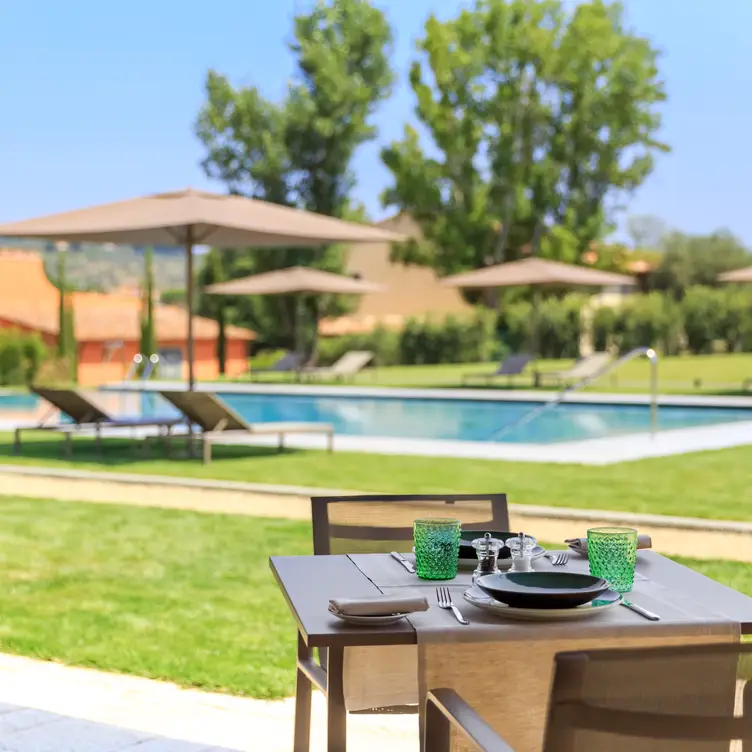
(48, 707)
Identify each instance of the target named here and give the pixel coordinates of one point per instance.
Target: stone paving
(48, 707)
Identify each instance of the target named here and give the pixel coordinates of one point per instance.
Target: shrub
(21, 357)
(652, 320)
(559, 326)
(705, 312)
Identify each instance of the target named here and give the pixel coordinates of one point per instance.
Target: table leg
(336, 722)
(303, 691)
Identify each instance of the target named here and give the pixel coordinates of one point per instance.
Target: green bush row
(453, 340)
(705, 319)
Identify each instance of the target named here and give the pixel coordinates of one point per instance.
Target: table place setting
(377, 610)
(513, 577)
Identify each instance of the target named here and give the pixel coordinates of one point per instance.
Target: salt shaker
(487, 548)
(522, 552)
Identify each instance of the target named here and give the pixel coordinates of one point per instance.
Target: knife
(640, 610)
(402, 560)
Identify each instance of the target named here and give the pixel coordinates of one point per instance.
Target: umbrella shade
(534, 272)
(738, 275)
(189, 218)
(294, 280)
(196, 217)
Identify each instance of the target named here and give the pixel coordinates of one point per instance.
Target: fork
(444, 597)
(559, 559)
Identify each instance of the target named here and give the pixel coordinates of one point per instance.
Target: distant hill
(108, 267)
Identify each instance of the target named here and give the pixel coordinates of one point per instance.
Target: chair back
(78, 405)
(589, 365)
(352, 362)
(292, 361)
(675, 699)
(207, 411)
(383, 523)
(514, 364)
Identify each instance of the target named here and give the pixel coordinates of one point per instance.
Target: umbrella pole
(189, 274)
(534, 334)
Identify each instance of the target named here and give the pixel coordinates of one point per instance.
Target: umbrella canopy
(187, 218)
(294, 280)
(536, 272)
(738, 275)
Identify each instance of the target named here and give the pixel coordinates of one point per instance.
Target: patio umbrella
(187, 218)
(295, 280)
(738, 275)
(535, 273)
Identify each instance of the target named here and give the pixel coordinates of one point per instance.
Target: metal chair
(377, 524)
(675, 699)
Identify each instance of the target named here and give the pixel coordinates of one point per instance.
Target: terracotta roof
(28, 298)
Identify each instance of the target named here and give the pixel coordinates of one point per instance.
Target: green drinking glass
(612, 553)
(437, 548)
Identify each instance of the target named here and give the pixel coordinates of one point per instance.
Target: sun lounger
(346, 367)
(292, 362)
(86, 414)
(218, 421)
(589, 366)
(512, 365)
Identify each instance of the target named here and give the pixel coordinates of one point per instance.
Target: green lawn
(707, 484)
(162, 593)
(716, 373)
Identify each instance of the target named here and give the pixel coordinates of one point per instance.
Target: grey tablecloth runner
(395, 672)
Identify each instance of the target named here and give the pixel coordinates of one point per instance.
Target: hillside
(105, 268)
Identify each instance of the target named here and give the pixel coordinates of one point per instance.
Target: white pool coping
(625, 447)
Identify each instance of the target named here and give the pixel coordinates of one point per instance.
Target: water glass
(437, 548)
(612, 553)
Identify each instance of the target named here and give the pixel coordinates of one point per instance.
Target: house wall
(100, 364)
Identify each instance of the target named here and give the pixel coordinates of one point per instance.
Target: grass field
(717, 374)
(161, 593)
(713, 485)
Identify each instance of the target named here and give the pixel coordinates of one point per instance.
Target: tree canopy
(298, 152)
(535, 120)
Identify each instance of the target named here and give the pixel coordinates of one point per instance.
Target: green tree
(67, 349)
(539, 118)
(148, 332)
(689, 260)
(298, 152)
(215, 305)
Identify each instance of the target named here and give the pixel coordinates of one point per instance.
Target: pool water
(458, 420)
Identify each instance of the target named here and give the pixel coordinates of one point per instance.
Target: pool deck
(622, 448)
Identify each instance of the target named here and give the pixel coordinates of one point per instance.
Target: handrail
(133, 368)
(149, 365)
(648, 352)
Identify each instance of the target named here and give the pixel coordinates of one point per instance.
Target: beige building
(411, 291)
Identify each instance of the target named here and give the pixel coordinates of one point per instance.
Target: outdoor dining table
(500, 666)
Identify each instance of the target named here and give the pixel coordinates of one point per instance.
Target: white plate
(370, 621)
(478, 598)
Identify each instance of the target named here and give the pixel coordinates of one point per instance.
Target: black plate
(468, 536)
(542, 589)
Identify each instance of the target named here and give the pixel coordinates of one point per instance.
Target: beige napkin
(580, 544)
(379, 605)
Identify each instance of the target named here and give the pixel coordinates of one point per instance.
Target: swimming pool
(465, 420)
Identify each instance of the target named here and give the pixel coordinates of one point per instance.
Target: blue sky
(97, 99)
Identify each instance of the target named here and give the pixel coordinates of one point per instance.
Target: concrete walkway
(47, 707)
(674, 536)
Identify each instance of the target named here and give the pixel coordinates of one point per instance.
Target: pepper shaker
(487, 548)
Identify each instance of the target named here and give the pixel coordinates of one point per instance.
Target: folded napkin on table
(580, 544)
(379, 605)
